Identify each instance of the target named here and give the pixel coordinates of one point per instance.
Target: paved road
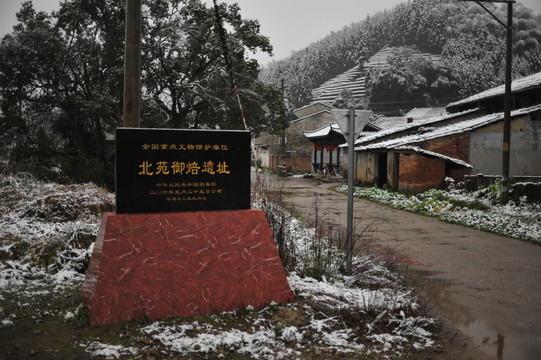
(485, 287)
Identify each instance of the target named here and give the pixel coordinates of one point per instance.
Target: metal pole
(351, 175)
(507, 106)
(132, 64)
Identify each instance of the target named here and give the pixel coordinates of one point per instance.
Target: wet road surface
(486, 288)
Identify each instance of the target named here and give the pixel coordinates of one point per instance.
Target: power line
(447, 99)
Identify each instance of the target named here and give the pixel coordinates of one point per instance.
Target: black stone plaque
(166, 170)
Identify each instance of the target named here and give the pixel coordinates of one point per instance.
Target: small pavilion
(326, 140)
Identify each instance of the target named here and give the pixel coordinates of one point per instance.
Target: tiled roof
(424, 113)
(460, 127)
(403, 126)
(517, 85)
(323, 131)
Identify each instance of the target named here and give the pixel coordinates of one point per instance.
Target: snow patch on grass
(97, 348)
(479, 210)
(46, 238)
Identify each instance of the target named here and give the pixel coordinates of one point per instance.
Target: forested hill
(470, 41)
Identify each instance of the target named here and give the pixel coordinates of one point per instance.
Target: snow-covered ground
(478, 209)
(46, 238)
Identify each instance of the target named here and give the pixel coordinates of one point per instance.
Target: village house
(301, 154)
(291, 149)
(330, 151)
(326, 142)
(468, 140)
(423, 149)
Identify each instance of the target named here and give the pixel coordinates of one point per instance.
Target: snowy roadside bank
(479, 209)
(46, 238)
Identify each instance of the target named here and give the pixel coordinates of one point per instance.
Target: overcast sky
(291, 25)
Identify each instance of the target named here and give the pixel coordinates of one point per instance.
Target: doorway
(382, 169)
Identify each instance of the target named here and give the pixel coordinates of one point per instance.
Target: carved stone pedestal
(154, 266)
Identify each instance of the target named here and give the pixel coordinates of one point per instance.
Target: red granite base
(154, 266)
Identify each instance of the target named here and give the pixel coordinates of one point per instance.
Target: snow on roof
(387, 122)
(312, 105)
(323, 131)
(435, 154)
(526, 82)
(427, 112)
(461, 127)
(310, 115)
(404, 126)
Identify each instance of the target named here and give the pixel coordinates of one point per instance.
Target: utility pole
(283, 126)
(132, 64)
(507, 106)
(506, 148)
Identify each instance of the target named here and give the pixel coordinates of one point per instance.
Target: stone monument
(184, 240)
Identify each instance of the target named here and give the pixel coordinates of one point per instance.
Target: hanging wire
(227, 58)
(229, 65)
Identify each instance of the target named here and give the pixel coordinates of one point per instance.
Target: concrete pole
(507, 106)
(351, 176)
(506, 148)
(132, 64)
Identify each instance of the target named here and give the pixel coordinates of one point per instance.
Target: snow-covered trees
(60, 89)
(411, 78)
(471, 42)
(324, 59)
(476, 48)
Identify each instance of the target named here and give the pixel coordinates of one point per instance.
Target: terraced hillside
(354, 78)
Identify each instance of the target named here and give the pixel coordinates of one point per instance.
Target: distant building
(292, 149)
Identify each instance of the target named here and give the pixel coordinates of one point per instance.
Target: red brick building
(468, 139)
(424, 159)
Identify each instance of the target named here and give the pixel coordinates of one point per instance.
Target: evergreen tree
(61, 78)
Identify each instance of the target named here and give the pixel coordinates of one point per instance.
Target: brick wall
(299, 163)
(458, 174)
(295, 163)
(455, 146)
(418, 173)
(415, 172)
